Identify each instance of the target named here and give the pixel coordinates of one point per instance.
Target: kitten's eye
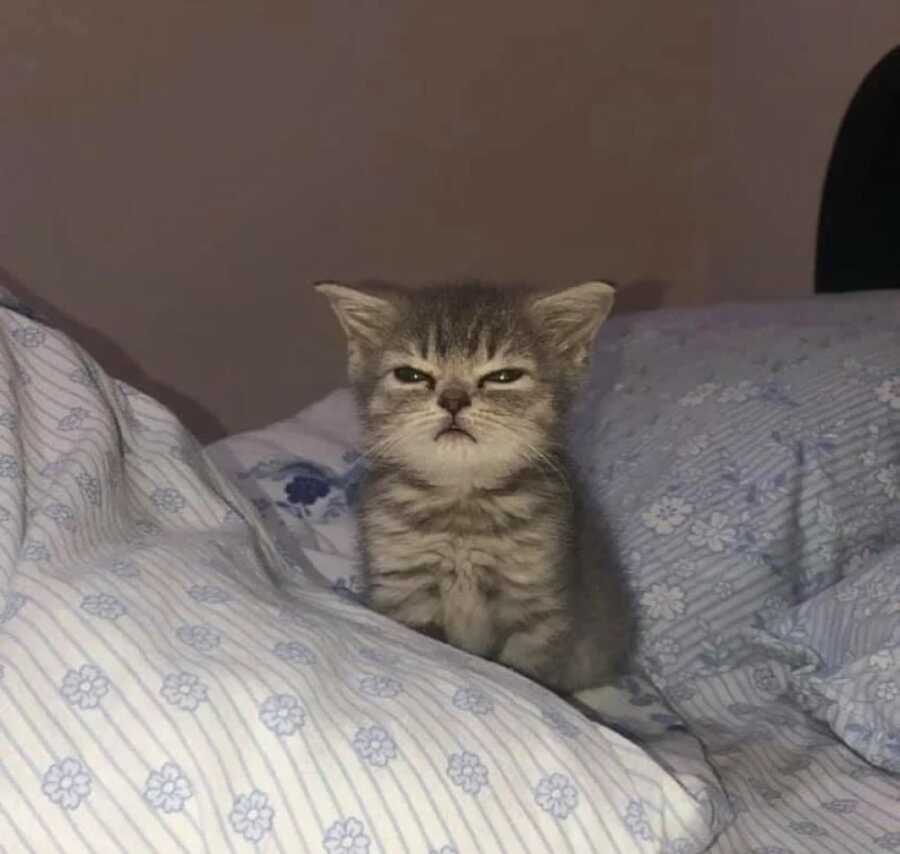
(504, 376)
(406, 374)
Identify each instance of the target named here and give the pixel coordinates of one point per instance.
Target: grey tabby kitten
(470, 515)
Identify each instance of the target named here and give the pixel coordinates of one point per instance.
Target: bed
(185, 665)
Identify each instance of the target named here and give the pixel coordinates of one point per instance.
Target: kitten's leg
(535, 649)
(591, 663)
(433, 630)
(415, 606)
(468, 621)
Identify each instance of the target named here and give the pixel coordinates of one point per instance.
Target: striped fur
(475, 537)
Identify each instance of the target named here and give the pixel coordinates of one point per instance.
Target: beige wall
(784, 74)
(176, 174)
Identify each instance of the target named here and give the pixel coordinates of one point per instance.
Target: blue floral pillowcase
(159, 691)
(747, 462)
(302, 474)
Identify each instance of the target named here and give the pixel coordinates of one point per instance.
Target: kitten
(471, 520)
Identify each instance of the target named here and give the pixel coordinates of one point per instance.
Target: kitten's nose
(454, 399)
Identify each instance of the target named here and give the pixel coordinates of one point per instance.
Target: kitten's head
(466, 384)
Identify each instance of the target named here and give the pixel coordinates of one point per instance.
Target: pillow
(841, 652)
(745, 459)
(166, 685)
(302, 474)
(747, 463)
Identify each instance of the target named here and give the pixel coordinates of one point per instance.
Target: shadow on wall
(642, 295)
(113, 359)
(639, 295)
(858, 242)
(635, 296)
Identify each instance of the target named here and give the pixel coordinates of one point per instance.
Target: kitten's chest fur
(470, 566)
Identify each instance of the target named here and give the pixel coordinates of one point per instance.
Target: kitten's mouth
(453, 432)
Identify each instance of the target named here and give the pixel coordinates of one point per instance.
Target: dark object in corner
(858, 246)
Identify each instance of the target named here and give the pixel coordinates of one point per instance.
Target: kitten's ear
(365, 319)
(570, 318)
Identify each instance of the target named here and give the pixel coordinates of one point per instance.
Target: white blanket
(165, 686)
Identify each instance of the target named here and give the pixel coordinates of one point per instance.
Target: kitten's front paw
(531, 655)
(433, 630)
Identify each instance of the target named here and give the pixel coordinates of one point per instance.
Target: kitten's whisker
(546, 462)
(534, 453)
(381, 447)
(477, 542)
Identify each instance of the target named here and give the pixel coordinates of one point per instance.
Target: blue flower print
(445, 849)
(9, 467)
(85, 687)
(168, 789)
(5, 515)
(251, 815)
(35, 551)
(294, 652)
(560, 723)
(209, 595)
(678, 846)
(765, 680)
(889, 841)
(9, 420)
(374, 745)
(90, 487)
(346, 837)
(147, 528)
(103, 605)
(29, 336)
(168, 499)
(380, 686)
(636, 821)
(11, 606)
(67, 783)
(306, 489)
(283, 714)
(83, 376)
(667, 514)
(184, 690)
(124, 568)
(662, 602)
(62, 514)
(201, 638)
(556, 795)
(466, 771)
(474, 701)
(73, 420)
(309, 488)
